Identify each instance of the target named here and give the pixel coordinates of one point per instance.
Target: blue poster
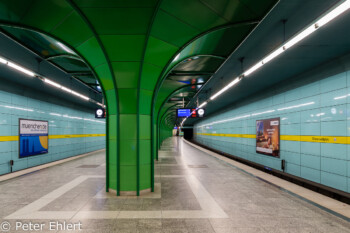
(33, 137)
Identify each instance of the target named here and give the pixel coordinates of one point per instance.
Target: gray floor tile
(250, 204)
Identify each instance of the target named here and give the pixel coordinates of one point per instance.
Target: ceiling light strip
(46, 80)
(323, 20)
(20, 68)
(203, 104)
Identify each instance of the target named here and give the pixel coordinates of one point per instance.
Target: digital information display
(184, 112)
(33, 137)
(189, 112)
(268, 137)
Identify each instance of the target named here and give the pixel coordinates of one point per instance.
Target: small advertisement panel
(268, 137)
(33, 137)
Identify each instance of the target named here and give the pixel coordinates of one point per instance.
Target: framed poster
(268, 137)
(33, 137)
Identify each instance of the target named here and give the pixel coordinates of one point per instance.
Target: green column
(134, 174)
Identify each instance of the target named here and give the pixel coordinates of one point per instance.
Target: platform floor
(195, 192)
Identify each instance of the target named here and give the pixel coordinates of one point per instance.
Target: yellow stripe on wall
(8, 138)
(228, 135)
(320, 139)
(15, 138)
(75, 136)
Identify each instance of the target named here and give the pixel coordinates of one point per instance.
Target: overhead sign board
(100, 113)
(33, 137)
(189, 112)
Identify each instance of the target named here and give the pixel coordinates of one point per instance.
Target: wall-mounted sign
(268, 137)
(100, 113)
(200, 112)
(189, 112)
(33, 137)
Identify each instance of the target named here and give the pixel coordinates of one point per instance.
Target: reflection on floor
(194, 193)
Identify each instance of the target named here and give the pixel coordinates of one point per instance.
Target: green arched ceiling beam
(64, 56)
(216, 43)
(167, 108)
(53, 51)
(170, 111)
(61, 22)
(169, 85)
(210, 38)
(113, 120)
(126, 47)
(164, 107)
(41, 44)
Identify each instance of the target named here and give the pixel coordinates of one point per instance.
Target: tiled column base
(130, 193)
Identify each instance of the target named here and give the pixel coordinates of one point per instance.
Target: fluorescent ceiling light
(75, 93)
(231, 84)
(300, 36)
(253, 69)
(203, 104)
(333, 13)
(3, 61)
(66, 89)
(80, 95)
(48, 81)
(273, 55)
(21, 69)
(84, 97)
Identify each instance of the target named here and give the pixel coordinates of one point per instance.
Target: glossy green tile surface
(130, 45)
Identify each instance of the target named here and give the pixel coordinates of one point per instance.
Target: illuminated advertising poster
(33, 137)
(268, 137)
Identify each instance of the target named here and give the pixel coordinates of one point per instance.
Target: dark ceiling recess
(50, 59)
(54, 52)
(326, 44)
(203, 56)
